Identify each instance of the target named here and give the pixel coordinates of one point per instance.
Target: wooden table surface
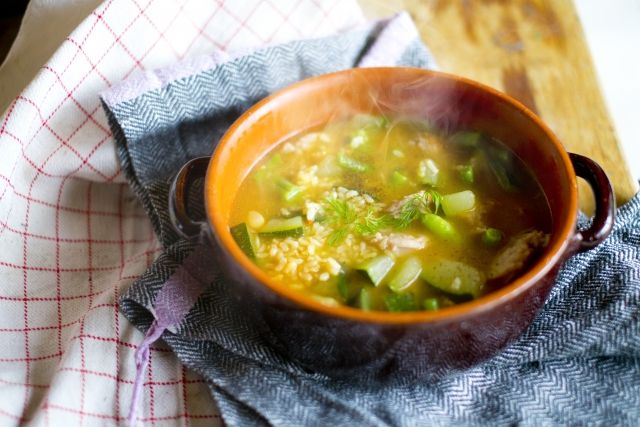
(535, 51)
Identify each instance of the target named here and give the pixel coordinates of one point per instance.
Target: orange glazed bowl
(342, 340)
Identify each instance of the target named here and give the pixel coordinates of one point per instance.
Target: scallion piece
(466, 173)
(431, 304)
(341, 284)
(398, 179)
(440, 227)
(364, 299)
(400, 302)
(351, 164)
(288, 190)
(491, 236)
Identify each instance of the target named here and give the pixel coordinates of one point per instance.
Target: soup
(392, 215)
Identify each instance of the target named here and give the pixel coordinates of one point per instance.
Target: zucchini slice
(243, 238)
(408, 272)
(283, 227)
(377, 268)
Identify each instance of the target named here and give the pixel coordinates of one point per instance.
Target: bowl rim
(552, 255)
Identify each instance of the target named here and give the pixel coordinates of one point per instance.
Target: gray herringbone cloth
(577, 364)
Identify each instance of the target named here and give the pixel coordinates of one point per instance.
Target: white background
(612, 29)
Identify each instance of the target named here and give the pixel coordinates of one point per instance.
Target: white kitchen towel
(72, 236)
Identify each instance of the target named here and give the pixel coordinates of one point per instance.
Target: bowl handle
(184, 179)
(603, 220)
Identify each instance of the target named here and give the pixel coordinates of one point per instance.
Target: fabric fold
(578, 363)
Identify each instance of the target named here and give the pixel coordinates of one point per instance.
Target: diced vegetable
(351, 164)
(398, 179)
(255, 220)
(491, 236)
(400, 302)
(431, 304)
(453, 277)
(341, 284)
(428, 172)
(364, 299)
(408, 272)
(288, 190)
(501, 164)
(243, 238)
(359, 138)
(466, 173)
(467, 139)
(457, 203)
(377, 268)
(440, 227)
(283, 227)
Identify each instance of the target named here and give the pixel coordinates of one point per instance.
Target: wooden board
(535, 51)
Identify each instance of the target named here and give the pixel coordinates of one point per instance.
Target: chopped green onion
(341, 284)
(491, 236)
(466, 173)
(400, 302)
(457, 203)
(289, 190)
(431, 304)
(440, 227)
(352, 164)
(398, 179)
(364, 299)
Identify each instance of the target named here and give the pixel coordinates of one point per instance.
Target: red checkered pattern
(72, 235)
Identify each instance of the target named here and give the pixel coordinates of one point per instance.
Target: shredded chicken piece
(399, 243)
(514, 255)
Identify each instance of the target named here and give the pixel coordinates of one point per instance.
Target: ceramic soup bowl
(341, 340)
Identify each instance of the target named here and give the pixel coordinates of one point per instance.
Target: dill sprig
(340, 215)
(428, 201)
(371, 223)
(343, 217)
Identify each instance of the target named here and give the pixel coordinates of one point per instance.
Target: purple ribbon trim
(178, 295)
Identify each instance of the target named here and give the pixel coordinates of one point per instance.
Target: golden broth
(456, 215)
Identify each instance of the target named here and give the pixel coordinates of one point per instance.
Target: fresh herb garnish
(428, 201)
(343, 217)
(371, 223)
(337, 236)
